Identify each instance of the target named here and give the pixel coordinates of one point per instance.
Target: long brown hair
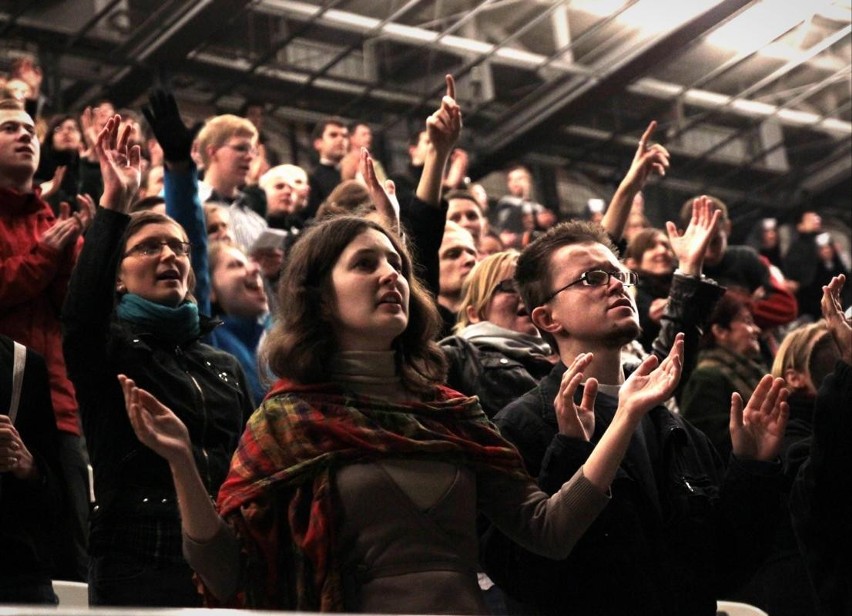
(302, 340)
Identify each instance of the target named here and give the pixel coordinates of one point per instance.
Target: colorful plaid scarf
(278, 496)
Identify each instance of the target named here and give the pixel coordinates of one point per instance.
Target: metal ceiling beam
(543, 112)
(410, 35)
(162, 43)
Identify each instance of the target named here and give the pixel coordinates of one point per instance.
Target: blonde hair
(219, 129)
(479, 286)
(796, 351)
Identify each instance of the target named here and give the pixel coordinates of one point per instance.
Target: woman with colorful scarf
(129, 310)
(358, 481)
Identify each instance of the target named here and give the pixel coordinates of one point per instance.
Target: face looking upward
(237, 285)
(161, 277)
(506, 309)
(602, 316)
(370, 293)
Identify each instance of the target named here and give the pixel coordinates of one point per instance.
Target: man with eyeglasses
(227, 146)
(681, 529)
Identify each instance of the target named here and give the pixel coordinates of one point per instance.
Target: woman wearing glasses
(497, 352)
(130, 310)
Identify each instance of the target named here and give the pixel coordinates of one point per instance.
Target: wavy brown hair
(302, 340)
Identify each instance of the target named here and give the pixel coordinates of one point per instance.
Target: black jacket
(680, 530)
(29, 510)
(679, 533)
(205, 387)
(819, 503)
(480, 369)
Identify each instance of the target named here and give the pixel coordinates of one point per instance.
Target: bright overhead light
(758, 27)
(650, 16)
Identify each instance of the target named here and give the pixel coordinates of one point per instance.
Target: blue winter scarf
(175, 324)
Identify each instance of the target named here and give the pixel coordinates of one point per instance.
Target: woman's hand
(757, 430)
(51, 186)
(573, 420)
(648, 159)
(650, 384)
(383, 197)
(121, 167)
(836, 321)
(689, 247)
(155, 425)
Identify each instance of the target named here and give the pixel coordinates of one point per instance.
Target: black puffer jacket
(205, 387)
(497, 373)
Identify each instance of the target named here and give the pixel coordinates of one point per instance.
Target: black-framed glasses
(154, 247)
(598, 278)
(505, 286)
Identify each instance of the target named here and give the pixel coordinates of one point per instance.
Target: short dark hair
(302, 340)
(533, 273)
(319, 127)
(462, 194)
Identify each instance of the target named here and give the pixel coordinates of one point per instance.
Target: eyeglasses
(154, 248)
(598, 278)
(505, 286)
(243, 149)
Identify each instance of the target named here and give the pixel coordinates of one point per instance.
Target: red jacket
(33, 281)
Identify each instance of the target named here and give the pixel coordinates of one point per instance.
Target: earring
(120, 288)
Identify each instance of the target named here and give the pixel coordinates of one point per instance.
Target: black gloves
(164, 117)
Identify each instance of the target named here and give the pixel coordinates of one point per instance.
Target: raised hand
(576, 421)
(155, 425)
(650, 384)
(444, 126)
(757, 430)
(85, 212)
(385, 201)
(690, 246)
(90, 133)
(647, 160)
(172, 134)
(837, 322)
(121, 167)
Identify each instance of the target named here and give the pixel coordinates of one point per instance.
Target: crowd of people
(337, 389)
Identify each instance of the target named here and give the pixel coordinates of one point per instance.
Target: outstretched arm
(157, 427)
(444, 127)
(647, 160)
(838, 324)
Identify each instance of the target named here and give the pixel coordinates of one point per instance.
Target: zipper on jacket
(209, 480)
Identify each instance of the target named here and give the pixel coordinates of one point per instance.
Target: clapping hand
(757, 430)
(155, 425)
(651, 384)
(690, 246)
(576, 421)
(121, 167)
(837, 322)
(383, 197)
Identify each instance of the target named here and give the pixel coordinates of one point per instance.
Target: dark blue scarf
(179, 324)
